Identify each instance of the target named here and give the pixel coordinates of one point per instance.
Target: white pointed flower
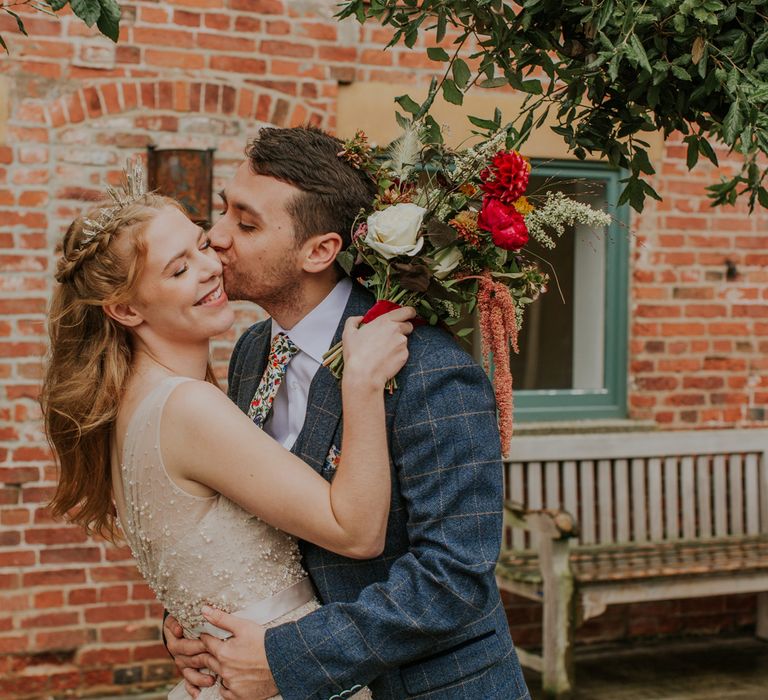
(445, 261)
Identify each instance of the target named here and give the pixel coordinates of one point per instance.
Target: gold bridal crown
(132, 188)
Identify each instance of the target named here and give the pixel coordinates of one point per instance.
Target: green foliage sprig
(105, 14)
(612, 71)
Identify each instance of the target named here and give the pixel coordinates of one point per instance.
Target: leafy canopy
(611, 71)
(105, 14)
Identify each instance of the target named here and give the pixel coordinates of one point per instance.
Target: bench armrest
(555, 524)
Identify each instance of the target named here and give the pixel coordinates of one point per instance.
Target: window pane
(563, 338)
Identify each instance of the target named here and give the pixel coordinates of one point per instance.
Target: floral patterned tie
(280, 354)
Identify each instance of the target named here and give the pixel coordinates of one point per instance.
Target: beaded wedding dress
(195, 550)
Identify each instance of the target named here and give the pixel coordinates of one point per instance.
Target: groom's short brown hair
(332, 191)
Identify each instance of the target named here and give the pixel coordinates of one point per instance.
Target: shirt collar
(314, 333)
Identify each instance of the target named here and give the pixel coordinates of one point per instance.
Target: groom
(424, 619)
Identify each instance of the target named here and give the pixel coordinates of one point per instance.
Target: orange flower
(465, 224)
(523, 206)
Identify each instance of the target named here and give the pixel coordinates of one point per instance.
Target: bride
(209, 504)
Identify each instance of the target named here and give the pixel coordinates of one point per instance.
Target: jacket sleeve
(445, 447)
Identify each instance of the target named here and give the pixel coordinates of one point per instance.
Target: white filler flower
(395, 230)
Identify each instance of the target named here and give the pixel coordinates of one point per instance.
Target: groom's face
(255, 239)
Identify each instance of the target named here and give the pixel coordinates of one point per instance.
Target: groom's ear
(320, 251)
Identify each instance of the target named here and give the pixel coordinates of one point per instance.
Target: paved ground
(703, 669)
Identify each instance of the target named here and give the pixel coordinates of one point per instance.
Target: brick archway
(182, 96)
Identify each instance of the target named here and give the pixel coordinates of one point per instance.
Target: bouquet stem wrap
(334, 358)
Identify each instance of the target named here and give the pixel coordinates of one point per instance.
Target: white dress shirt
(313, 336)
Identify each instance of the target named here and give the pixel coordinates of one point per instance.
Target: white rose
(445, 260)
(395, 230)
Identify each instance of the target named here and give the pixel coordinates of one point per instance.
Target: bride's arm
(206, 439)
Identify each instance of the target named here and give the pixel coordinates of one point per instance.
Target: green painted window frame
(611, 401)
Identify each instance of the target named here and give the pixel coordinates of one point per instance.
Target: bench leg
(559, 621)
(762, 616)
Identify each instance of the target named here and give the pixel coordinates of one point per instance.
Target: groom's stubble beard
(278, 287)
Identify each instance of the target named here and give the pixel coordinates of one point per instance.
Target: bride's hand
(375, 352)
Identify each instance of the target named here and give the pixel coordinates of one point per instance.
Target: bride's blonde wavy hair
(91, 355)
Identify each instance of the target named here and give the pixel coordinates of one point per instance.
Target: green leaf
(494, 82)
(693, 152)
(86, 10)
(641, 163)
(461, 73)
(633, 194)
(759, 94)
(435, 53)
(19, 23)
(729, 13)
(433, 130)
(56, 5)
(762, 197)
(442, 25)
(613, 67)
(680, 72)
(109, 19)
(647, 189)
(408, 104)
(761, 44)
(482, 123)
(642, 57)
(704, 62)
(706, 150)
(411, 34)
(532, 87)
(451, 93)
(733, 123)
(346, 260)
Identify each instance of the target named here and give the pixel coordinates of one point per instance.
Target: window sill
(577, 427)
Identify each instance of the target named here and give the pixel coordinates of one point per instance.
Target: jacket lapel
(324, 400)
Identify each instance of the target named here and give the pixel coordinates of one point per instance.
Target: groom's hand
(240, 661)
(189, 655)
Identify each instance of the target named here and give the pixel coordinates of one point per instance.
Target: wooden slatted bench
(610, 518)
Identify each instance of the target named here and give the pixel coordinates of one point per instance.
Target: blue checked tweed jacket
(424, 619)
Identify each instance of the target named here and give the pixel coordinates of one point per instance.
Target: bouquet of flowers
(447, 234)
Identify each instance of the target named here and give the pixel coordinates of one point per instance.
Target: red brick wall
(208, 73)
(699, 340)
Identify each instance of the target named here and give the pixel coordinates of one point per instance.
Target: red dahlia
(506, 178)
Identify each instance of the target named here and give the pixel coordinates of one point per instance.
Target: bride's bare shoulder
(196, 401)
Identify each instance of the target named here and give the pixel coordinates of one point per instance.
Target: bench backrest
(645, 487)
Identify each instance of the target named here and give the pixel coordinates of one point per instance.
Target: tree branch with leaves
(611, 71)
(105, 14)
